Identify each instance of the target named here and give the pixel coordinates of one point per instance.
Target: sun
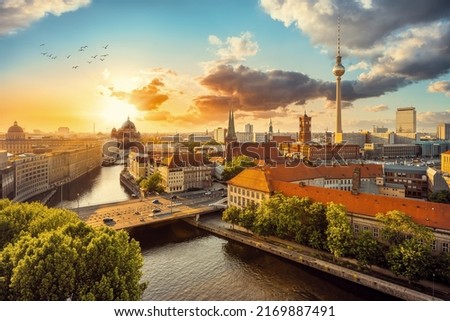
(115, 111)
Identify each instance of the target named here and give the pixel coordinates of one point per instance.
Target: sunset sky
(178, 65)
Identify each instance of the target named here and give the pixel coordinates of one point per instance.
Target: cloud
(377, 108)
(255, 90)
(17, 15)
(400, 43)
(146, 98)
(440, 87)
(431, 119)
(234, 49)
(360, 65)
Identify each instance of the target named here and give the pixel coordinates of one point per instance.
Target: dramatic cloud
(440, 87)
(146, 98)
(254, 90)
(16, 15)
(399, 42)
(377, 108)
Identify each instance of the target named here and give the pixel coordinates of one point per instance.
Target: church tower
(338, 71)
(231, 132)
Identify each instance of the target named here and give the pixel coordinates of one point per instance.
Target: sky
(180, 65)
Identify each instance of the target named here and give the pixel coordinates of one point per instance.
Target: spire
(231, 133)
(270, 127)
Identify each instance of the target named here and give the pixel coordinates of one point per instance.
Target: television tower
(338, 71)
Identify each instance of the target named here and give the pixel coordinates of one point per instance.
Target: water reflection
(101, 185)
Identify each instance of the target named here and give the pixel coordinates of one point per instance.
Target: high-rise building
(405, 120)
(220, 134)
(304, 133)
(443, 131)
(338, 71)
(248, 128)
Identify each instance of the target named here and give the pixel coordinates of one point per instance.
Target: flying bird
(102, 59)
(89, 62)
(106, 47)
(75, 67)
(42, 44)
(44, 53)
(94, 56)
(68, 56)
(54, 57)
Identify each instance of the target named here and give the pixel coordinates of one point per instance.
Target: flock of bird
(101, 57)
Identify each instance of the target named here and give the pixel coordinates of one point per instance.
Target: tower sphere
(338, 69)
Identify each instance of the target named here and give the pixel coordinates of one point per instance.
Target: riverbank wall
(297, 255)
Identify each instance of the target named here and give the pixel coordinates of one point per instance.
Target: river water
(185, 263)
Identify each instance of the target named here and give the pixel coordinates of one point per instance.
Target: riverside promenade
(381, 280)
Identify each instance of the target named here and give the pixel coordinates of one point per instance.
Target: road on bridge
(138, 212)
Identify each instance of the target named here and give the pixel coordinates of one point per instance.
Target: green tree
(231, 215)
(367, 250)
(58, 257)
(237, 165)
(153, 183)
(339, 233)
(409, 253)
(440, 197)
(247, 216)
(317, 226)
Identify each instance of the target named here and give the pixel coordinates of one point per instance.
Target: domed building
(127, 133)
(15, 132)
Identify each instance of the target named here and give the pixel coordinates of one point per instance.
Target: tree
(153, 183)
(339, 233)
(440, 197)
(367, 250)
(409, 244)
(231, 215)
(58, 257)
(247, 216)
(237, 165)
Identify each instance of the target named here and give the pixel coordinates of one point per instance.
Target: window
(375, 232)
(365, 228)
(356, 228)
(444, 247)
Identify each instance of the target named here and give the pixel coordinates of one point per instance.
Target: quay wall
(395, 290)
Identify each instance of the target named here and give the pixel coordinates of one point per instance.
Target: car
(208, 193)
(156, 210)
(174, 197)
(108, 220)
(155, 201)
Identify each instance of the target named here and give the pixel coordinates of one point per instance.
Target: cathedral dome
(15, 128)
(128, 125)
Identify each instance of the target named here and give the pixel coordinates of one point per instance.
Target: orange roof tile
(252, 178)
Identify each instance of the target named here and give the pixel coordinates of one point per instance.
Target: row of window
(444, 246)
(246, 192)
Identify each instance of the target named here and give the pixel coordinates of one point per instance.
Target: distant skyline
(177, 66)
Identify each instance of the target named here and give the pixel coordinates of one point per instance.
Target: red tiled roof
(254, 178)
(434, 215)
(302, 172)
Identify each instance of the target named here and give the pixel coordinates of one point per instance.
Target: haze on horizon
(178, 66)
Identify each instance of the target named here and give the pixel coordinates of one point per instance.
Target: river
(185, 263)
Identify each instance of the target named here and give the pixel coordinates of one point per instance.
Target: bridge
(140, 212)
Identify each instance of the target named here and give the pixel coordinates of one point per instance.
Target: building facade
(304, 130)
(443, 131)
(253, 185)
(405, 120)
(31, 176)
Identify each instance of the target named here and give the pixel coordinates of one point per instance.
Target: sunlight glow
(116, 111)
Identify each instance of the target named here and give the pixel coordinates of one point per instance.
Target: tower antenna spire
(339, 36)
